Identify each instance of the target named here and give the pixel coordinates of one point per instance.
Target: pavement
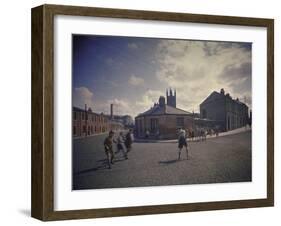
(227, 133)
(218, 160)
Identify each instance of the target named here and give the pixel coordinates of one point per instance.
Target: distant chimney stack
(111, 111)
(222, 91)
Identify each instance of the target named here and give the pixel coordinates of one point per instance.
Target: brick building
(162, 120)
(228, 113)
(86, 123)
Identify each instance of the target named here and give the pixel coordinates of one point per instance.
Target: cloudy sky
(133, 72)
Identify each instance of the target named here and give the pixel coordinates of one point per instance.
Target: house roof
(213, 95)
(83, 110)
(167, 110)
(216, 94)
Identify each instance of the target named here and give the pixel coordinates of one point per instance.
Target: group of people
(124, 144)
(198, 135)
(201, 134)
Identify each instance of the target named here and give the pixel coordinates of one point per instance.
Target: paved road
(222, 159)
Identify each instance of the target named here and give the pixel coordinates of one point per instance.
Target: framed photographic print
(141, 112)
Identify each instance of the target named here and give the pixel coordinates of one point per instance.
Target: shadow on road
(103, 164)
(169, 161)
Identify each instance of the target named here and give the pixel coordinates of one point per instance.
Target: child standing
(108, 142)
(182, 143)
(120, 145)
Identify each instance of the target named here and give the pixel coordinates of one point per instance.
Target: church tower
(171, 98)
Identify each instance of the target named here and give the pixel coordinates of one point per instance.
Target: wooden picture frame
(43, 112)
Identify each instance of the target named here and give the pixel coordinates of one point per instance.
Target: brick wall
(88, 123)
(167, 125)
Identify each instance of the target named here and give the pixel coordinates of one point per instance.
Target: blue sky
(133, 72)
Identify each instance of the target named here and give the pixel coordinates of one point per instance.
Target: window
(84, 129)
(74, 130)
(204, 113)
(140, 126)
(82, 115)
(228, 122)
(75, 115)
(180, 122)
(154, 125)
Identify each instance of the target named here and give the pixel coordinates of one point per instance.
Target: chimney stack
(111, 111)
(162, 101)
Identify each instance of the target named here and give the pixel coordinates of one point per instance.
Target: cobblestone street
(217, 160)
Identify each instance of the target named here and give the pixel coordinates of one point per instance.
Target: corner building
(229, 113)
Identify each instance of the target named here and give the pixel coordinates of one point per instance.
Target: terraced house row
(87, 123)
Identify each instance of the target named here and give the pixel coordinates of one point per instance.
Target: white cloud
(120, 106)
(81, 96)
(119, 102)
(132, 45)
(197, 68)
(135, 81)
(147, 100)
(124, 107)
(193, 68)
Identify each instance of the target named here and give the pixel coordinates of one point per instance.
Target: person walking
(192, 135)
(204, 134)
(108, 148)
(201, 136)
(182, 143)
(217, 132)
(147, 133)
(120, 145)
(129, 140)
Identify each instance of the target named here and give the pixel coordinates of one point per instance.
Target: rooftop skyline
(133, 72)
